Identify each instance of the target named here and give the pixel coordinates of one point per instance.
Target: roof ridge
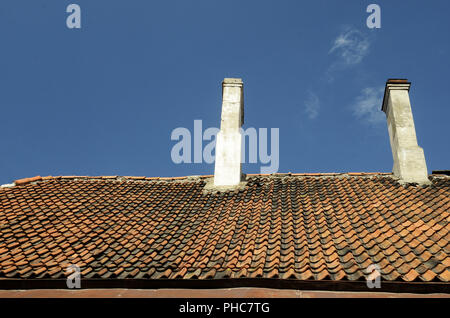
(24, 181)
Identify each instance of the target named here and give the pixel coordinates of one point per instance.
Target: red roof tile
(287, 226)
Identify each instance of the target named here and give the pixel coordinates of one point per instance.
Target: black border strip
(323, 285)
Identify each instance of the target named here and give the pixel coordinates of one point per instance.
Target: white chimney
(409, 158)
(228, 167)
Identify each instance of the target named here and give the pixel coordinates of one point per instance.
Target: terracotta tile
(411, 275)
(273, 273)
(445, 275)
(428, 276)
(10, 269)
(39, 270)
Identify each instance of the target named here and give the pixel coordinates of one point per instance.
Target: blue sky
(104, 99)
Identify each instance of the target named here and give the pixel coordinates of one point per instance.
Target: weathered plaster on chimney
(228, 167)
(409, 158)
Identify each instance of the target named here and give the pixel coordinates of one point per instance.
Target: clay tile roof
(287, 226)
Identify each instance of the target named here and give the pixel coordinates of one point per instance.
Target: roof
(295, 227)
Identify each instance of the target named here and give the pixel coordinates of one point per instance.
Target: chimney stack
(228, 167)
(409, 158)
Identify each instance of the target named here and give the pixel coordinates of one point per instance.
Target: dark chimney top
(444, 172)
(397, 80)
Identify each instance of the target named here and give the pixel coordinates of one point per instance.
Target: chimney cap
(397, 81)
(394, 82)
(232, 81)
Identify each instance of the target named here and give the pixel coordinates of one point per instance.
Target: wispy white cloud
(348, 49)
(351, 46)
(367, 105)
(312, 105)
